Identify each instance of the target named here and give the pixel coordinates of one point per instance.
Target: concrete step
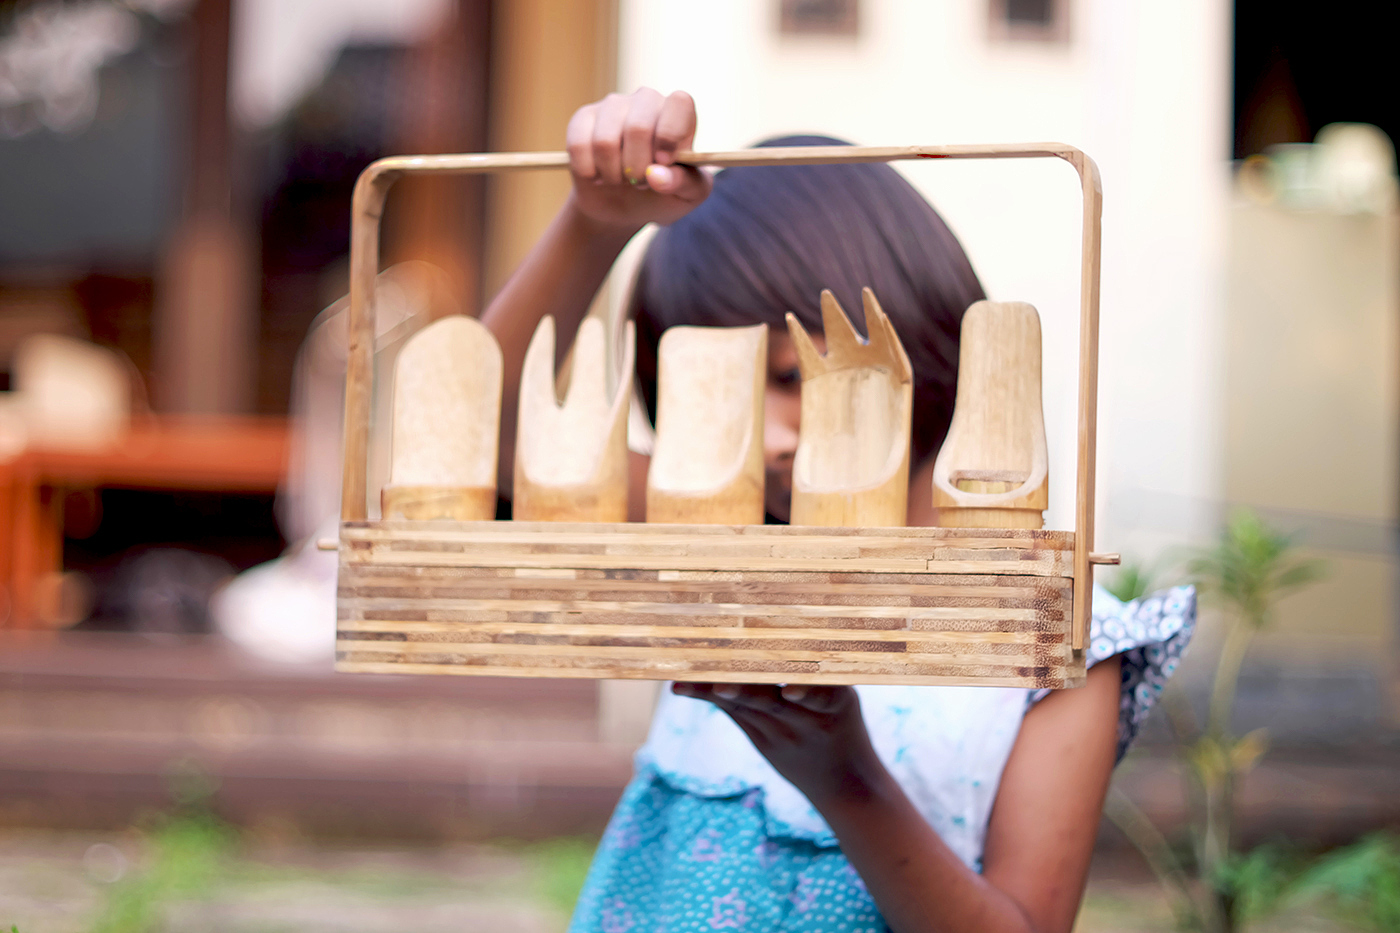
(95, 727)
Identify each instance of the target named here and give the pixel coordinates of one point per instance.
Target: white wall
(1143, 88)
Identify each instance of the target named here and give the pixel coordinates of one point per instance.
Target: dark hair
(768, 240)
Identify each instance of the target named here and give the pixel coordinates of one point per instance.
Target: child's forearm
(1036, 856)
(559, 277)
(917, 882)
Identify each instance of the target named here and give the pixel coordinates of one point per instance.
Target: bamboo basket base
(748, 603)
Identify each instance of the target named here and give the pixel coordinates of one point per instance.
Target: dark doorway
(1300, 66)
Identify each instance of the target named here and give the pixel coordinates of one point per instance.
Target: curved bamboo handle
(373, 187)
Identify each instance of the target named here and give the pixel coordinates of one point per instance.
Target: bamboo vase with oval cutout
(993, 468)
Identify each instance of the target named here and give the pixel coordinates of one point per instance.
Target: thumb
(679, 181)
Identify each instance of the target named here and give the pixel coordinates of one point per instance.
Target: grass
(197, 858)
(187, 855)
(560, 867)
(191, 871)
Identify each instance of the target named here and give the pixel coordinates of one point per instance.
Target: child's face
(782, 411)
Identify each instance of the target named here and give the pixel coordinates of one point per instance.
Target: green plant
(1245, 573)
(1362, 882)
(185, 856)
(1132, 581)
(561, 865)
(1259, 881)
(186, 848)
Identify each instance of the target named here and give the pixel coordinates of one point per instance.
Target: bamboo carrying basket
(751, 603)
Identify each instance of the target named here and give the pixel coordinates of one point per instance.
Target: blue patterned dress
(709, 837)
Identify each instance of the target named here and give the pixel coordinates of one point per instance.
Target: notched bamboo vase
(703, 590)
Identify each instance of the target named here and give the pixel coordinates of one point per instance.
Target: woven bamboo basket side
(757, 604)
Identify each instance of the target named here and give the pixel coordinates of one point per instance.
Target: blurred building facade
(1249, 339)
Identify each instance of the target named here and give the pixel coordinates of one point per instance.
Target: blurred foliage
(1246, 573)
(186, 851)
(1260, 880)
(1358, 884)
(1132, 581)
(1361, 881)
(1216, 889)
(185, 856)
(561, 865)
(1251, 568)
(190, 854)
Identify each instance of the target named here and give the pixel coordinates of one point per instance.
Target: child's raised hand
(622, 157)
(812, 735)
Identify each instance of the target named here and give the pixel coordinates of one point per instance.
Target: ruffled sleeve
(1151, 635)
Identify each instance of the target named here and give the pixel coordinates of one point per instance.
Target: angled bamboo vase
(707, 467)
(571, 454)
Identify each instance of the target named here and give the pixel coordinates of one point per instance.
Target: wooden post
(207, 295)
(548, 58)
(1085, 490)
(442, 220)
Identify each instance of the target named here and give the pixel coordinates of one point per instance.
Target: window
(819, 17)
(1042, 20)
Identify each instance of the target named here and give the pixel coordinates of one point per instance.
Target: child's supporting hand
(812, 735)
(622, 157)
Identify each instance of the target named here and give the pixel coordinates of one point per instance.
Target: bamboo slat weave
(756, 604)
